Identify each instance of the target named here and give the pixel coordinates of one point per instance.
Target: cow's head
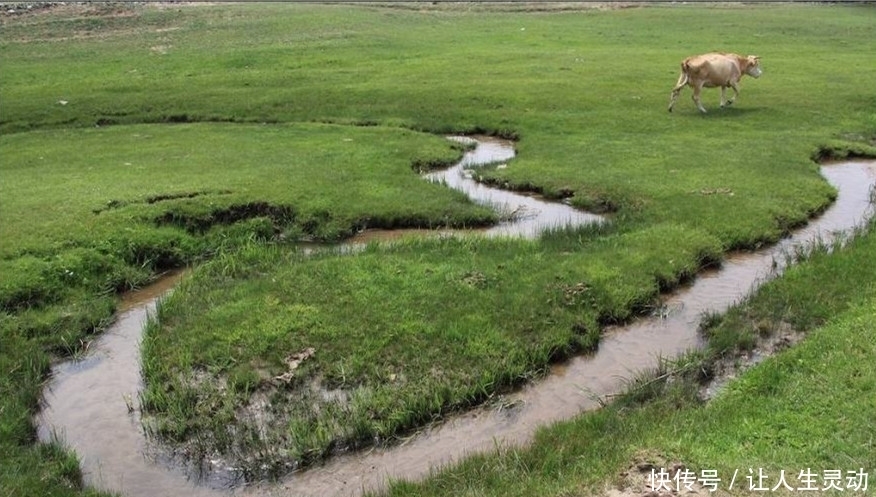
(752, 66)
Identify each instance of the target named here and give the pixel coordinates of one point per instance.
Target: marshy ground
(137, 139)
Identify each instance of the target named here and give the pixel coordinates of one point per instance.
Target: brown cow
(714, 69)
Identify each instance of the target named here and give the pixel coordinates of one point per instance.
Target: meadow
(137, 139)
(808, 408)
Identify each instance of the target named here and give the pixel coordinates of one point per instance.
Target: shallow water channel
(91, 403)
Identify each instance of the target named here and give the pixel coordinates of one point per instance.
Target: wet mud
(92, 403)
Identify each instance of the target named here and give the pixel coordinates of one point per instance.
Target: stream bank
(82, 403)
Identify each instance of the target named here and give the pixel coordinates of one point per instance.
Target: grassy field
(138, 139)
(400, 334)
(809, 407)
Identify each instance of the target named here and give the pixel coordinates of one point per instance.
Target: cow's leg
(735, 87)
(673, 97)
(724, 101)
(696, 97)
(682, 80)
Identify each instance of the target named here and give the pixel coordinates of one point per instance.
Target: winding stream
(92, 403)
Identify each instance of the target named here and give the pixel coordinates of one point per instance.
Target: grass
(316, 180)
(807, 407)
(393, 330)
(135, 139)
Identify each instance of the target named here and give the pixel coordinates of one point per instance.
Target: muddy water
(86, 400)
(86, 405)
(576, 385)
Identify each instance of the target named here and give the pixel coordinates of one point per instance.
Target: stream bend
(91, 403)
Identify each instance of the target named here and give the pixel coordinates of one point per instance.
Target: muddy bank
(92, 403)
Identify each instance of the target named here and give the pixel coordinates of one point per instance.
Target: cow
(714, 69)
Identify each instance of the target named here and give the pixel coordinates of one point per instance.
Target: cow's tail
(685, 70)
(682, 80)
(685, 74)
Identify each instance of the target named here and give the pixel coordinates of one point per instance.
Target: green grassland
(139, 139)
(400, 334)
(809, 407)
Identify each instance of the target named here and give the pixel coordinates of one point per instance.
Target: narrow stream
(530, 215)
(87, 401)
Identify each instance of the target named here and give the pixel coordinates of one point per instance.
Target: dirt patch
(292, 363)
(61, 22)
(510, 6)
(21, 9)
(175, 5)
(72, 9)
(771, 342)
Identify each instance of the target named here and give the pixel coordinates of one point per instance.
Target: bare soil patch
(69, 9)
(61, 22)
(772, 341)
(511, 6)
